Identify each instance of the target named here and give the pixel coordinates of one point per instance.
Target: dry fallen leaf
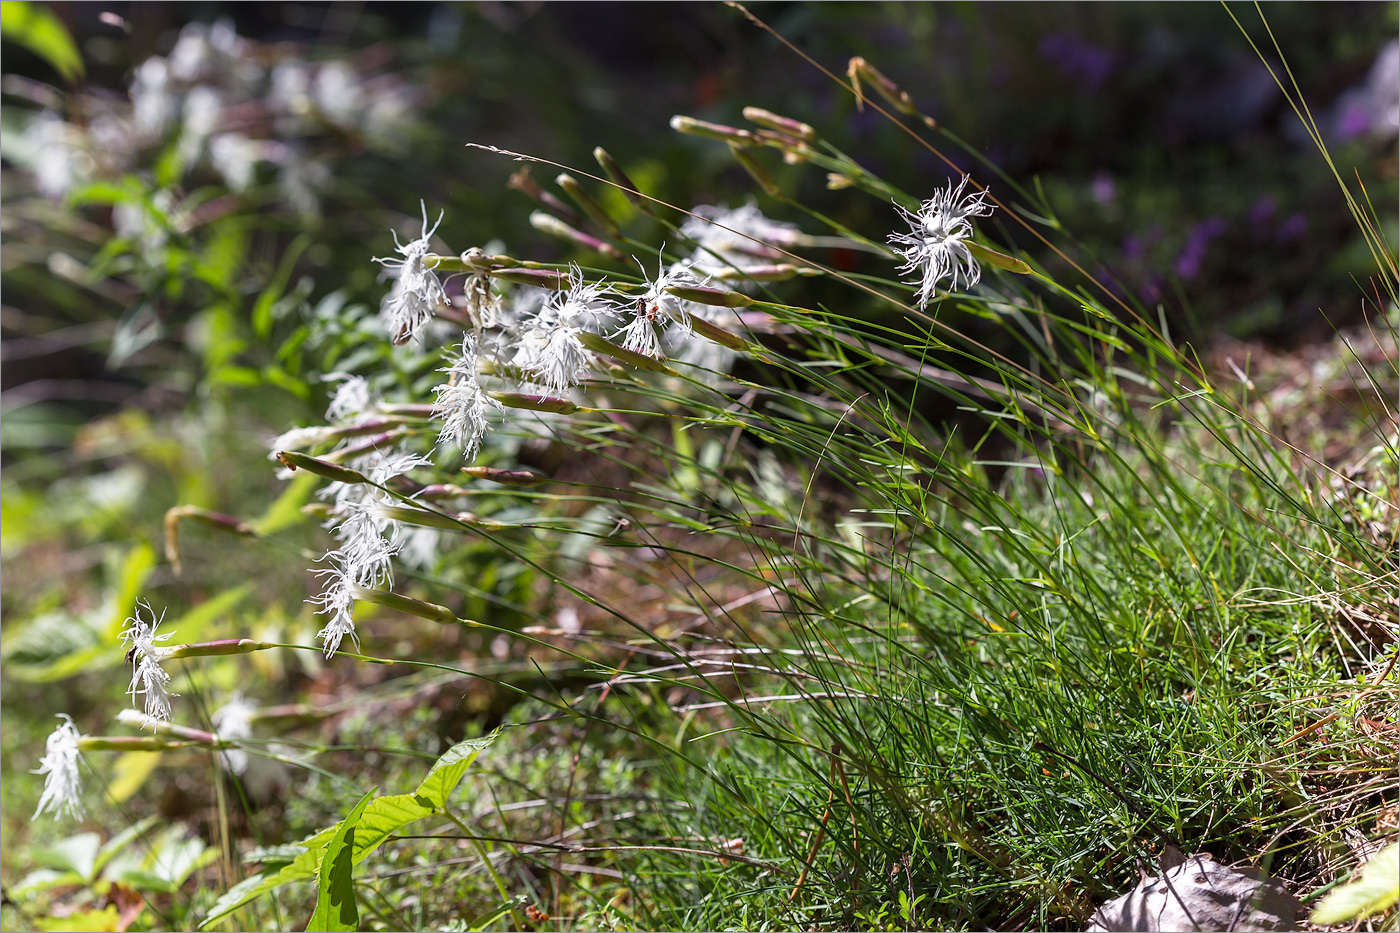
(1200, 894)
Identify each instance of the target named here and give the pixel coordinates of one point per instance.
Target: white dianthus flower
(417, 292)
(658, 309)
(934, 245)
(62, 782)
(234, 722)
(740, 237)
(147, 677)
(462, 404)
(337, 600)
(550, 347)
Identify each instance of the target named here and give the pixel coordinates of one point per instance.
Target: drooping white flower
(352, 400)
(658, 309)
(934, 246)
(147, 677)
(417, 291)
(368, 542)
(62, 782)
(462, 404)
(550, 347)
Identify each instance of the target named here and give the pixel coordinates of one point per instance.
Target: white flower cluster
(148, 678)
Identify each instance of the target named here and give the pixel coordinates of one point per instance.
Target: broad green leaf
(448, 770)
(87, 921)
(132, 769)
(42, 879)
(303, 868)
(123, 839)
(335, 899)
(190, 626)
(1375, 889)
(35, 27)
(75, 853)
(131, 580)
(286, 510)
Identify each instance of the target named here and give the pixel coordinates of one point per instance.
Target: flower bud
(752, 166)
(140, 720)
(588, 204)
(620, 178)
(606, 347)
(548, 223)
(415, 607)
(522, 182)
(538, 278)
(217, 648)
(340, 474)
(560, 406)
(718, 334)
(422, 518)
(794, 128)
(377, 442)
(861, 70)
(771, 273)
(706, 295)
(522, 478)
(728, 134)
(173, 517)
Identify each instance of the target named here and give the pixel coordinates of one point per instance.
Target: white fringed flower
(147, 678)
(368, 542)
(934, 246)
(337, 600)
(550, 347)
(62, 782)
(233, 722)
(658, 309)
(740, 237)
(462, 404)
(417, 292)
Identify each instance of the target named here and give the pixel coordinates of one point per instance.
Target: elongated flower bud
(755, 169)
(794, 128)
(615, 172)
(538, 278)
(588, 204)
(416, 607)
(548, 223)
(770, 273)
(219, 647)
(173, 517)
(134, 717)
(560, 406)
(728, 134)
(521, 478)
(606, 347)
(861, 70)
(707, 295)
(422, 518)
(340, 474)
(718, 334)
(522, 182)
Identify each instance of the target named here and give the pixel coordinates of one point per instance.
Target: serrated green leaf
(335, 899)
(77, 854)
(123, 839)
(1375, 889)
(303, 868)
(42, 879)
(448, 770)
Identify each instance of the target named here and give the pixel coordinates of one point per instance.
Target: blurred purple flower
(1188, 263)
(1103, 189)
(1079, 60)
(1293, 228)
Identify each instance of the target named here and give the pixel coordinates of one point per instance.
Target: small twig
(821, 833)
